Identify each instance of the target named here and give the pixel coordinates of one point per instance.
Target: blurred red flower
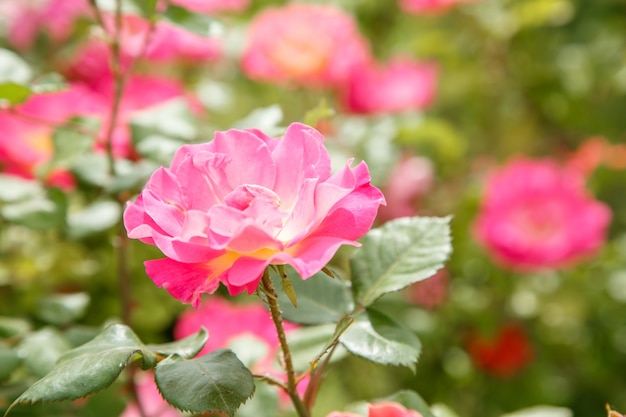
(503, 355)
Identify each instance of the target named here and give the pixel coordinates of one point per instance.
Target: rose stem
(277, 318)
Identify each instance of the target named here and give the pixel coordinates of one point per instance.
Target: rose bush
(225, 210)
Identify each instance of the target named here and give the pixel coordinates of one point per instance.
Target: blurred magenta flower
(537, 215)
(308, 44)
(429, 6)
(399, 85)
(411, 178)
(26, 19)
(383, 409)
(503, 355)
(26, 135)
(225, 210)
(213, 6)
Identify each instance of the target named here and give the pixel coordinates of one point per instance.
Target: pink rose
(27, 18)
(225, 210)
(429, 6)
(383, 409)
(410, 179)
(315, 45)
(537, 215)
(213, 6)
(399, 85)
(26, 134)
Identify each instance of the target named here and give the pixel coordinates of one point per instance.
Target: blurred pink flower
(227, 322)
(410, 179)
(213, 6)
(399, 85)
(91, 67)
(429, 6)
(26, 19)
(503, 355)
(537, 215)
(432, 292)
(227, 209)
(383, 409)
(152, 403)
(314, 45)
(167, 42)
(26, 135)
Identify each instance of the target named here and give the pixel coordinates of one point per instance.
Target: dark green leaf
(193, 22)
(90, 367)
(321, 299)
(216, 382)
(378, 338)
(62, 309)
(14, 93)
(398, 254)
(9, 361)
(186, 348)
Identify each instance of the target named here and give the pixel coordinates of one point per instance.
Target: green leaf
(41, 349)
(92, 169)
(97, 217)
(14, 189)
(9, 361)
(264, 118)
(321, 299)
(216, 382)
(264, 403)
(147, 7)
(14, 93)
(398, 254)
(196, 23)
(172, 119)
(13, 68)
(39, 212)
(48, 83)
(186, 348)
(90, 368)
(412, 401)
(11, 326)
(62, 309)
(307, 343)
(70, 144)
(376, 337)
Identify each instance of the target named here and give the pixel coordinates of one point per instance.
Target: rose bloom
(225, 210)
(213, 6)
(537, 215)
(384, 409)
(308, 44)
(167, 42)
(503, 355)
(411, 178)
(399, 85)
(26, 19)
(26, 135)
(429, 6)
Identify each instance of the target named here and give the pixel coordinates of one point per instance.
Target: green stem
(277, 318)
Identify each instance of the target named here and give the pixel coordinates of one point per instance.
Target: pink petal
(185, 282)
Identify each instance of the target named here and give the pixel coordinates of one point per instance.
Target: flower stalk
(271, 299)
